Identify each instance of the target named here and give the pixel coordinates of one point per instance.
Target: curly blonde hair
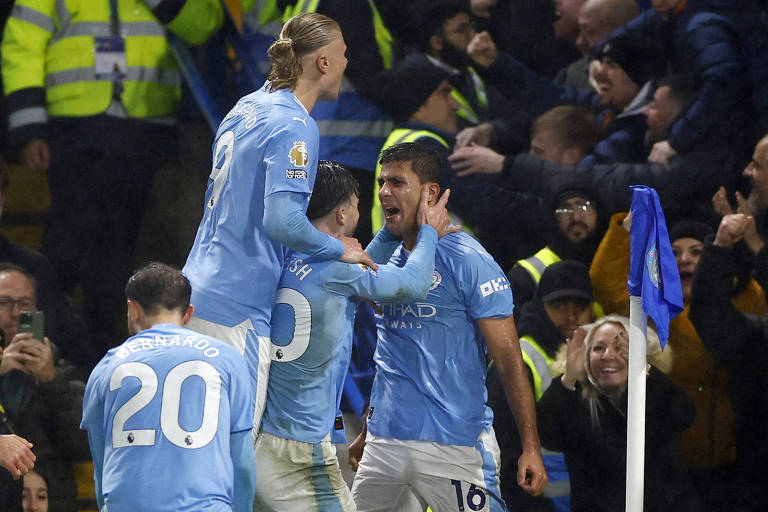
(300, 36)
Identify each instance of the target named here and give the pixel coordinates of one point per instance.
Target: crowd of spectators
(544, 114)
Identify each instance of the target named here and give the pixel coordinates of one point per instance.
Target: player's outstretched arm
(285, 222)
(504, 347)
(243, 463)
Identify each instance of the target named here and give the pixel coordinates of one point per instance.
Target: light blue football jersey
(267, 143)
(312, 333)
(431, 358)
(159, 410)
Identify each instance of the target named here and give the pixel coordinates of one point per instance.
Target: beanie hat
(639, 60)
(408, 85)
(565, 279)
(689, 229)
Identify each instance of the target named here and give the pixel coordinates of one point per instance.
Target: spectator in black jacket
(739, 342)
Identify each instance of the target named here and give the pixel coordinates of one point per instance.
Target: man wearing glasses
(38, 391)
(573, 234)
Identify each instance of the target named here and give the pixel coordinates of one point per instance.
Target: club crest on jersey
(298, 154)
(436, 280)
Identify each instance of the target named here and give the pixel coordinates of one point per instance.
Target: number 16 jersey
(159, 410)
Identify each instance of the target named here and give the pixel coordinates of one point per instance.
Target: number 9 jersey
(159, 410)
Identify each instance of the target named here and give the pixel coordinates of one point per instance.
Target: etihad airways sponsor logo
(406, 316)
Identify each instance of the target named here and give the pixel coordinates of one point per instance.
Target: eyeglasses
(581, 207)
(25, 304)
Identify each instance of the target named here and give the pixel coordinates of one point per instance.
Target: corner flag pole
(638, 321)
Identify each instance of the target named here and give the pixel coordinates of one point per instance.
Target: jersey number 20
(169, 405)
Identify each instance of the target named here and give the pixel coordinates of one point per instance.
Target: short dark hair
(425, 161)
(427, 17)
(682, 88)
(7, 266)
(159, 285)
(334, 186)
(572, 126)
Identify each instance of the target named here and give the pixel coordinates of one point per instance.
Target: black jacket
(596, 457)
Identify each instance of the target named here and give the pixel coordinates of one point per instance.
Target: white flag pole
(636, 405)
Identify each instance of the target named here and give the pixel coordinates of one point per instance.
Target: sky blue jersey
(160, 410)
(431, 358)
(267, 143)
(312, 332)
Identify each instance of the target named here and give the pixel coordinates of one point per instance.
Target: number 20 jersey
(162, 406)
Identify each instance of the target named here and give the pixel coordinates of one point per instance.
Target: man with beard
(574, 235)
(442, 29)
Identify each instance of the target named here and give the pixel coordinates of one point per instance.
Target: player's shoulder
(462, 246)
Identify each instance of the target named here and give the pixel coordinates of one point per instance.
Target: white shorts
(295, 476)
(405, 476)
(242, 337)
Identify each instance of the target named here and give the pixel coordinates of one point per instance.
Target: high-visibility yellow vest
(538, 362)
(536, 264)
(49, 45)
(466, 111)
(397, 136)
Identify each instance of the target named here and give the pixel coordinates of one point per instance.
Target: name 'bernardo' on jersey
(138, 344)
(406, 316)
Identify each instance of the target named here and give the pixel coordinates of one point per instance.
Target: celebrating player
(312, 339)
(169, 412)
(264, 166)
(430, 433)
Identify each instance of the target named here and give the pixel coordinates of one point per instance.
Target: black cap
(409, 84)
(639, 60)
(565, 279)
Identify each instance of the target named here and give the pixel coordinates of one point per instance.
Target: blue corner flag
(653, 271)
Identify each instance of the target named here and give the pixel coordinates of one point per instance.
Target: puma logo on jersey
(298, 154)
(302, 121)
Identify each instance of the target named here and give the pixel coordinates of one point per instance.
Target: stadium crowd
(537, 116)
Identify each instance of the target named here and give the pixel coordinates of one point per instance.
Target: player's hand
(355, 451)
(436, 216)
(474, 159)
(482, 49)
(531, 475)
(720, 202)
(576, 358)
(354, 253)
(16, 455)
(661, 152)
(480, 135)
(36, 155)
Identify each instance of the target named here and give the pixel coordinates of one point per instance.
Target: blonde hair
(590, 390)
(300, 36)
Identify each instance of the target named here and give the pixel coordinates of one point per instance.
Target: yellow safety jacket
(538, 362)
(48, 56)
(536, 264)
(466, 111)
